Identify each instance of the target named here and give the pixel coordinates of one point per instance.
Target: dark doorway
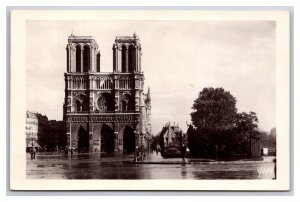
(83, 140)
(107, 139)
(128, 140)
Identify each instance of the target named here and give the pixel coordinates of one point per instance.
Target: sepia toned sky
(179, 59)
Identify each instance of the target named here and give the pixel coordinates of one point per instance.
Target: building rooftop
(133, 38)
(83, 39)
(72, 36)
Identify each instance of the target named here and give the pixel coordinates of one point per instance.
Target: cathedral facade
(107, 112)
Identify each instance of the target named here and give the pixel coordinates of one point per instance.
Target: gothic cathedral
(107, 112)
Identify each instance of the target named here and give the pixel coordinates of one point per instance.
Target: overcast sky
(179, 59)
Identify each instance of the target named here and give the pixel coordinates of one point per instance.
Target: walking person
(183, 152)
(66, 151)
(33, 153)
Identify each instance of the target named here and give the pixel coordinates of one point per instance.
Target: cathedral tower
(127, 54)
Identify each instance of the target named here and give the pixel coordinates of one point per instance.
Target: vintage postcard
(150, 100)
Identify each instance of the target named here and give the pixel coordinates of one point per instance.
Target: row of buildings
(44, 134)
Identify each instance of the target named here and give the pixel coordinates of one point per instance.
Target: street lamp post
(136, 146)
(56, 141)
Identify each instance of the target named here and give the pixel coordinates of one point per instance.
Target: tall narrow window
(85, 105)
(78, 106)
(131, 58)
(86, 58)
(98, 62)
(124, 59)
(68, 65)
(124, 105)
(127, 103)
(115, 49)
(78, 58)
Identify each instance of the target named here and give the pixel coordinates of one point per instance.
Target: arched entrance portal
(107, 139)
(83, 140)
(128, 140)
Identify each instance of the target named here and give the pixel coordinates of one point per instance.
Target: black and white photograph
(185, 96)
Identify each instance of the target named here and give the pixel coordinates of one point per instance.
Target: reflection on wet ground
(121, 167)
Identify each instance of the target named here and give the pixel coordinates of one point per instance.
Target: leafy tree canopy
(246, 123)
(214, 109)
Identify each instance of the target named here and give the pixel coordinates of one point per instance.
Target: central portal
(83, 140)
(107, 139)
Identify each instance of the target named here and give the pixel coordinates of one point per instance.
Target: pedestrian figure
(136, 154)
(31, 153)
(66, 151)
(183, 152)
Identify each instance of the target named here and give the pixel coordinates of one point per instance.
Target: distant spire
(134, 34)
(148, 94)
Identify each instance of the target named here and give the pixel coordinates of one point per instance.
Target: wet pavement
(100, 166)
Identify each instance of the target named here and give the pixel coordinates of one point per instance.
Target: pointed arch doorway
(83, 140)
(128, 140)
(107, 139)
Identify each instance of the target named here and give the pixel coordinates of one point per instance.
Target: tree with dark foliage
(246, 123)
(219, 129)
(214, 114)
(214, 109)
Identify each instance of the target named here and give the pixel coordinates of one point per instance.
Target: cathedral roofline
(80, 37)
(127, 39)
